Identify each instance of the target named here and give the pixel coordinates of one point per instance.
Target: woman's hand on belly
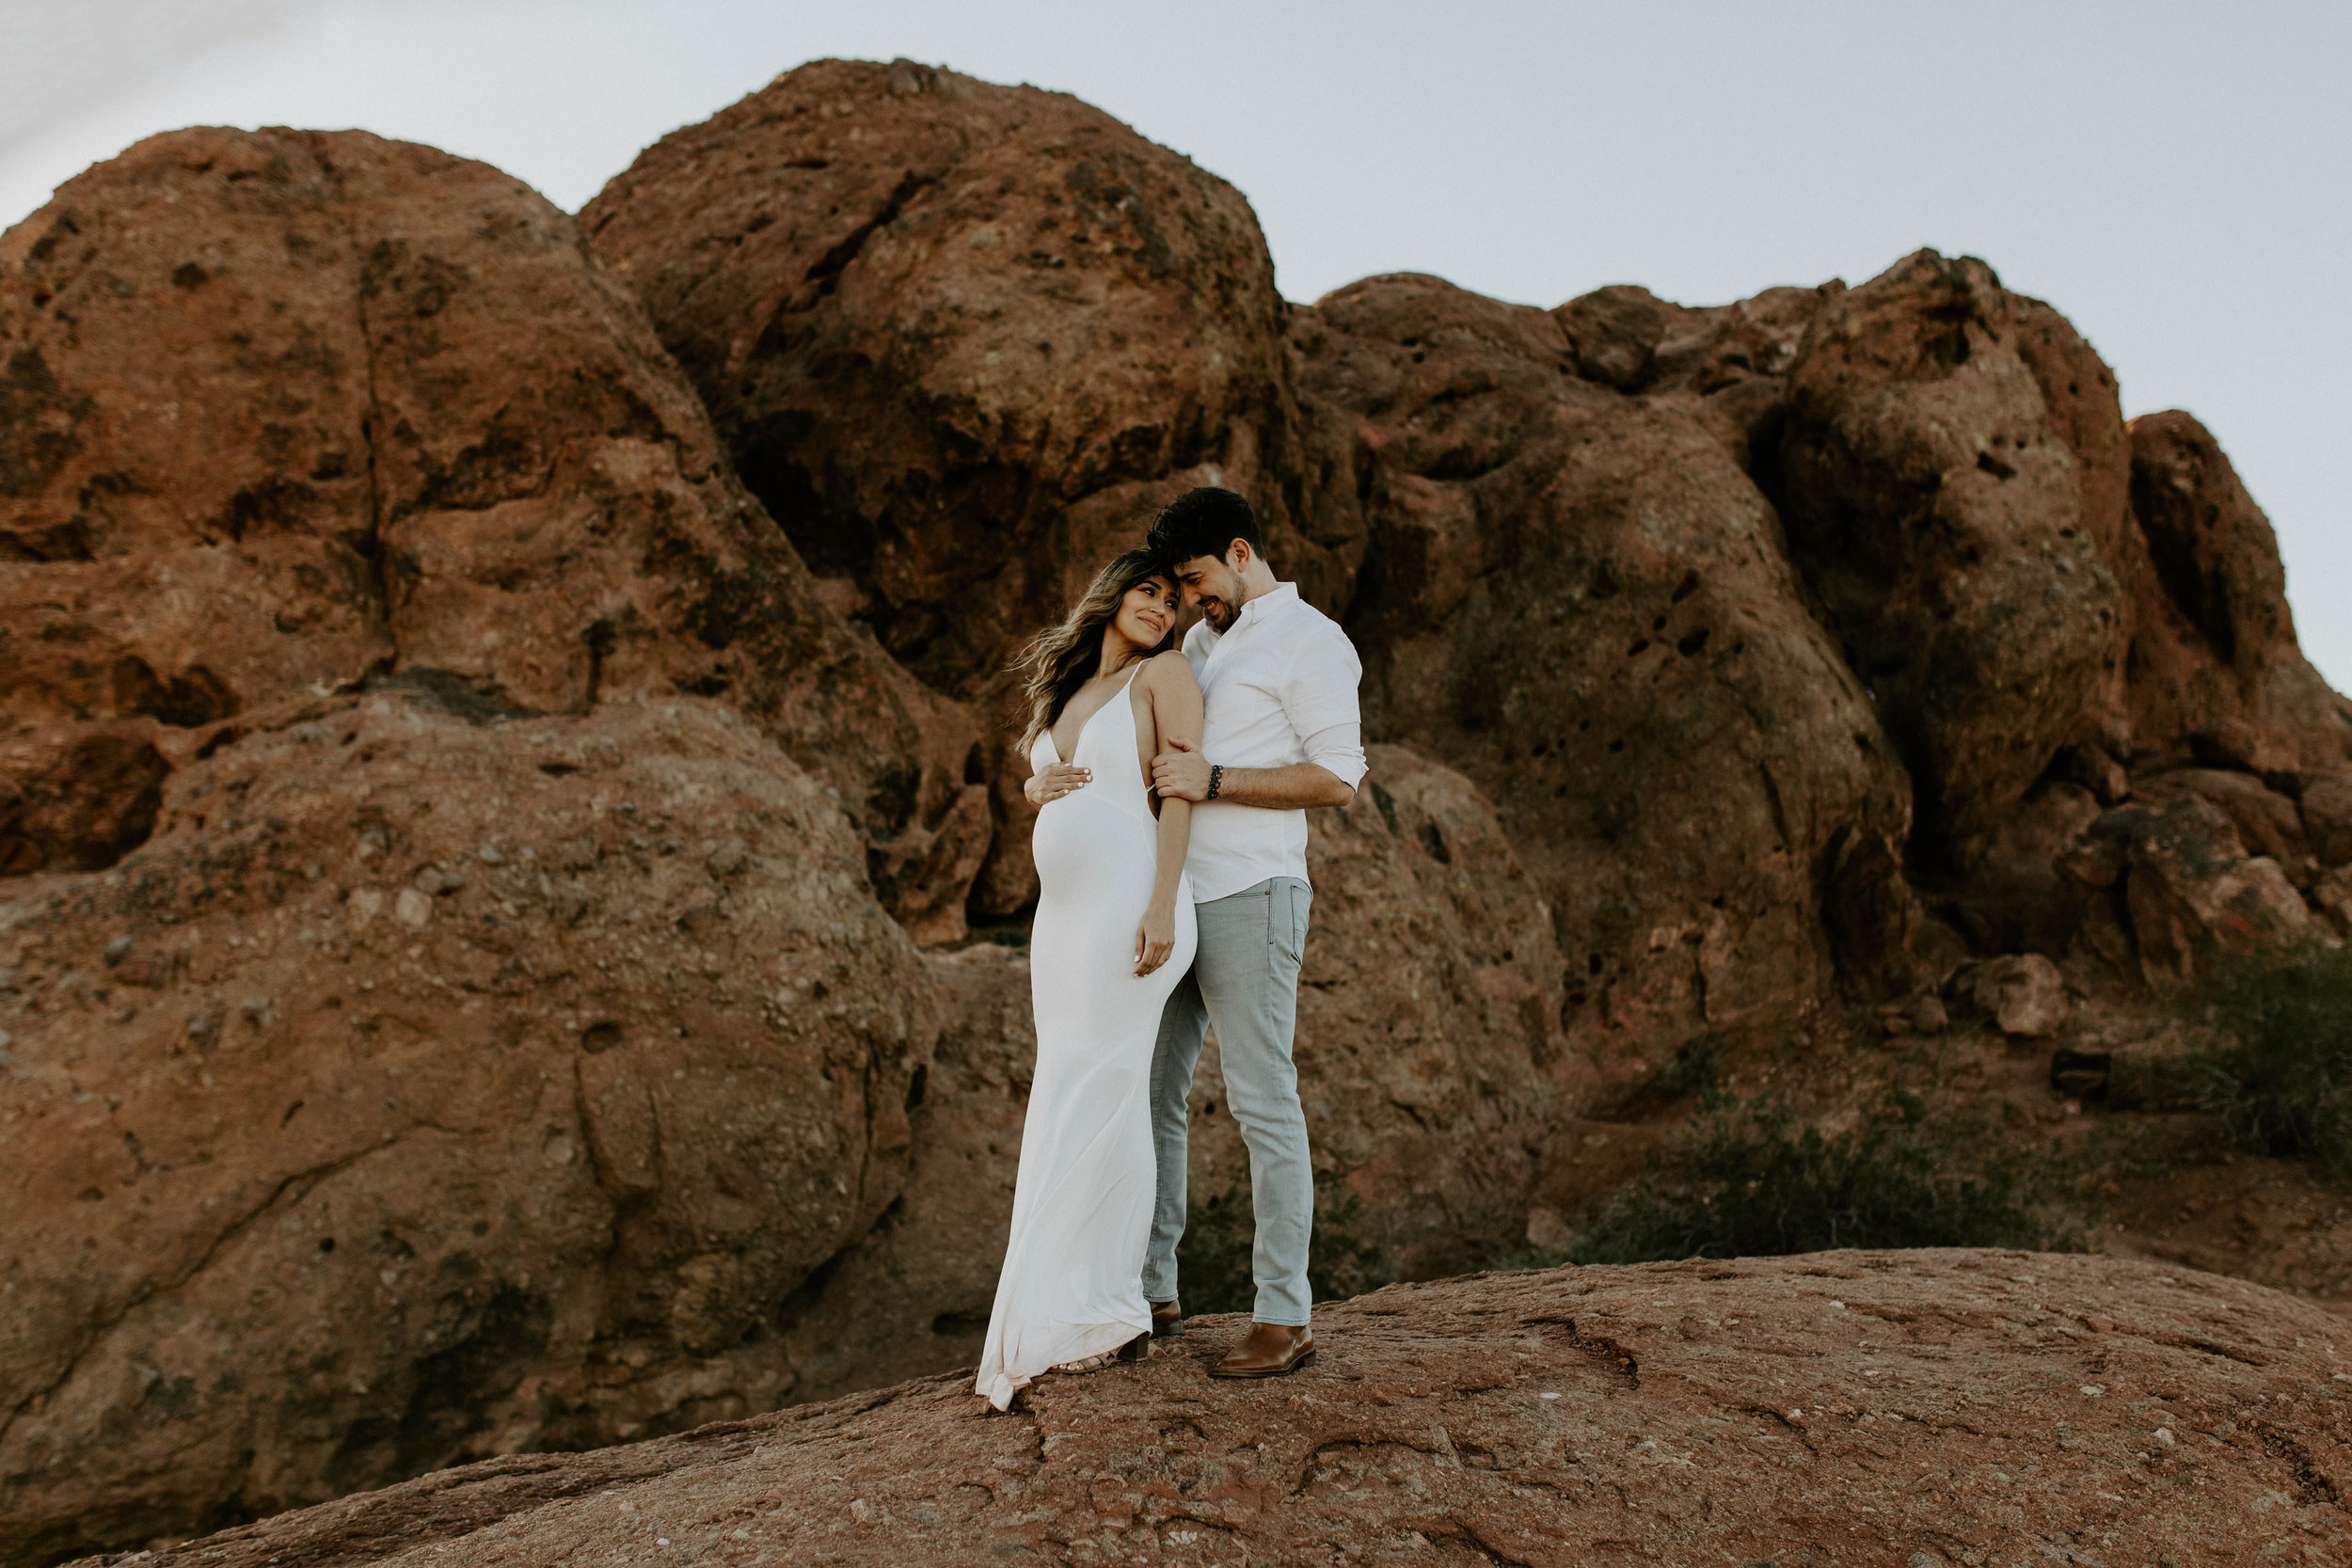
(1050, 783)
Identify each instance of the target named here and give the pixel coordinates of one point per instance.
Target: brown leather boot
(1268, 1349)
(1168, 1317)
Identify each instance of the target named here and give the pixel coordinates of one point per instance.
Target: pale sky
(2177, 178)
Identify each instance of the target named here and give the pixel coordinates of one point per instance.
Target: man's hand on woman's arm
(1182, 773)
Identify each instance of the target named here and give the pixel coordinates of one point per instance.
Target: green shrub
(2279, 1065)
(1749, 1179)
(1692, 1071)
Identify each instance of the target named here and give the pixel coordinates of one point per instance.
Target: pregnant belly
(1091, 850)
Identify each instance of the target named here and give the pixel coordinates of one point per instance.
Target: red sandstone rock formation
(958, 337)
(1922, 1408)
(1581, 598)
(542, 986)
(426, 1089)
(1935, 506)
(306, 438)
(962, 338)
(291, 411)
(2214, 669)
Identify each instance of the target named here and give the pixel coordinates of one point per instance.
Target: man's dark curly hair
(1203, 521)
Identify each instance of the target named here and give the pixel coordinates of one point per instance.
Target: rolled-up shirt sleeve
(1340, 752)
(1319, 698)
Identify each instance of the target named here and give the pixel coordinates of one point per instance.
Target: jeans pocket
(1286, 920)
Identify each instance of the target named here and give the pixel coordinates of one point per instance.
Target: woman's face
(1146, 611)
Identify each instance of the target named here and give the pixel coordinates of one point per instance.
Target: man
(1282, 733)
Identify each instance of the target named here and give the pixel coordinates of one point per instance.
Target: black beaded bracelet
(1217, 777)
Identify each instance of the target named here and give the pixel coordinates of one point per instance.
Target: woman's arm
(1318, 697)
(1174, 698)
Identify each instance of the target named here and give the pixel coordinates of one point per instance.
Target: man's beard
(1219, 615)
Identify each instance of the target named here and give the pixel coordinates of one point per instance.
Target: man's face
(1212, 586)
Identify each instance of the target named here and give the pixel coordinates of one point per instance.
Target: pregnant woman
(1108, 690)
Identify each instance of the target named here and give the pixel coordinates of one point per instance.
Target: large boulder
(2216, 671)
(2181, 883)
(913, 1294)
(1927, 1408)
(962, 339)
(426, 1089)
(288, 411)
(1581, 599)
(958, 337)
(445, 822)
(1937, 506)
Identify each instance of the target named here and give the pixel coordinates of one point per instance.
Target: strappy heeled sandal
(1134, 1349)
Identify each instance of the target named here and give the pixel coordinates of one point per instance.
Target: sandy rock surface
(1919, 1408)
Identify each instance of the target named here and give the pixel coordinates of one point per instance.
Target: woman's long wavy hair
(1062, 658)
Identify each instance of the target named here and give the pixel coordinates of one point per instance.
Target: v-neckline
(1091, 718)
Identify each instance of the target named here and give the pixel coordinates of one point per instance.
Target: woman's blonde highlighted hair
(1062, 658)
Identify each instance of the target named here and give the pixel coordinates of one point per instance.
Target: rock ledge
(1928, 1407)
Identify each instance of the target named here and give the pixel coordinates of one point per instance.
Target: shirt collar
(1272, 602)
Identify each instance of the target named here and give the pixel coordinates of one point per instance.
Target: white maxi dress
(1073, 1280)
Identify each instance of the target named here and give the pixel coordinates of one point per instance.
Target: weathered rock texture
(1923, 1408)
(2215, 668)
(424, 1090)
(471, 1066)
(460, 974)
(287, 411)
(958, 337)
(962, 338)
(912, 1295)
(1935, 507)
(1582, 599)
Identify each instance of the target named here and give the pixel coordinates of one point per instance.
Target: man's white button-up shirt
(1281, 689)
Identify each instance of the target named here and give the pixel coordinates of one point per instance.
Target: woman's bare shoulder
(1170, 669)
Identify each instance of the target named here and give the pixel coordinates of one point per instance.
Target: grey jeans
(1246, 982)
